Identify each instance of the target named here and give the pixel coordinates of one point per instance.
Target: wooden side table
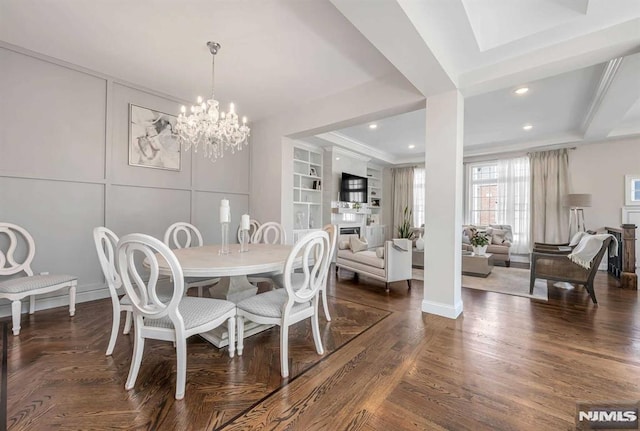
(476, 265)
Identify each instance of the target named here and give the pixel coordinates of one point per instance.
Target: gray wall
(64, 169)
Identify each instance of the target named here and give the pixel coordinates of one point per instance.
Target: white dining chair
(184, 235)
(270, 232)
(297, 277)
(174, 319)
(285, 307)
(15, 288)
(106, 241)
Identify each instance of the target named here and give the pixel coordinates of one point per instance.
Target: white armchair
(389, 263)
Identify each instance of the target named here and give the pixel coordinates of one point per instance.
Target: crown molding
(608, 75)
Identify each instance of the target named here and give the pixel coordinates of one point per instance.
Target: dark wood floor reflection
(507, 363)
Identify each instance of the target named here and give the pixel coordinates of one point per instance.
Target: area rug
(511, 281)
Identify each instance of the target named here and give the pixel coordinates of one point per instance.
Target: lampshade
(579, 200)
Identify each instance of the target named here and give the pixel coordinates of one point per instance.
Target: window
(483, 193)
(418, 196)
(499, 193)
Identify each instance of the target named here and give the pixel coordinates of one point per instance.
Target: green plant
(478, 239)
(404, 229)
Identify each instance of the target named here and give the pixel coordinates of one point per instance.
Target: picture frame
(313, 172)
(153, 142)
(632, 190)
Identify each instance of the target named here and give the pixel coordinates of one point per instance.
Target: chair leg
(127, 323)
(324, 304)
(409, 283)
(16, 308)
(532, 282)
(240, 330)
(315, 328)
(231, 326)
(115, 326)
(284, 350)
(32, 304)
(72, 300)
(136, 359)
(181, 367)
(592, 292)
(386, 287)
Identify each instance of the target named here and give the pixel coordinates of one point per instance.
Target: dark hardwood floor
(507, 363)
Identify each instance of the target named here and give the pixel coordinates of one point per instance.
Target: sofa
(501, 238)
(389, 263)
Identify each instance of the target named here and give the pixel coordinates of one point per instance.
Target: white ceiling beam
(621, 91)
(352, 144)
(583, 51)
(386, 25)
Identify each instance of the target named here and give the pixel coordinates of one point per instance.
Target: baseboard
(98, 292)
(441, 309)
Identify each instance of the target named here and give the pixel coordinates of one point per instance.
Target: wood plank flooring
(507, 363)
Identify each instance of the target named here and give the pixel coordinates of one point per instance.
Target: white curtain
(549, 186)
(513, 201)
(402, 195)
(418, 196)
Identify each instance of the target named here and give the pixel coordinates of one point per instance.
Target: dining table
(233, 269)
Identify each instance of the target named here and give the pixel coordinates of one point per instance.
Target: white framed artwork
(152, 140)
(632, 190)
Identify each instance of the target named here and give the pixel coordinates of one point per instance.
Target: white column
(443, 200)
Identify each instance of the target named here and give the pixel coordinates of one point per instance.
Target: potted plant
(404, 229)
(479, 241)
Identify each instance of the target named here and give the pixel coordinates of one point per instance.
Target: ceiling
(280, 55)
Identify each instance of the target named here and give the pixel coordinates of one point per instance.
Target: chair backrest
(332, 230)
(254, 225)
(143, 294)
(595, 263)
(8, 263)
(270, 233)
(192, 236)
(106, 242)
(314, 250)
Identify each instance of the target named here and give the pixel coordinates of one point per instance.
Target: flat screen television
(353, 188)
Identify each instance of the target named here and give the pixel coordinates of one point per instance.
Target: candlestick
(224, 244)
(244, 240)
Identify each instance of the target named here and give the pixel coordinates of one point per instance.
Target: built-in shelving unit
(374, 174)
(307, 190)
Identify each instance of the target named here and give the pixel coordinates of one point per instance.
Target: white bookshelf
(374, 175)
(307, 190)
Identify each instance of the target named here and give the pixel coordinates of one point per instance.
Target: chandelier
(217, 131)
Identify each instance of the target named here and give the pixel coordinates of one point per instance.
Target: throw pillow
(498, 236)
(380, 252)
(343, 244)
(358, 244)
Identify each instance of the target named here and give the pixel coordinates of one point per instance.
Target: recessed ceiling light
(411, 147)
(337, 158)
(527, 127)
(373, 126)
(522, 90)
